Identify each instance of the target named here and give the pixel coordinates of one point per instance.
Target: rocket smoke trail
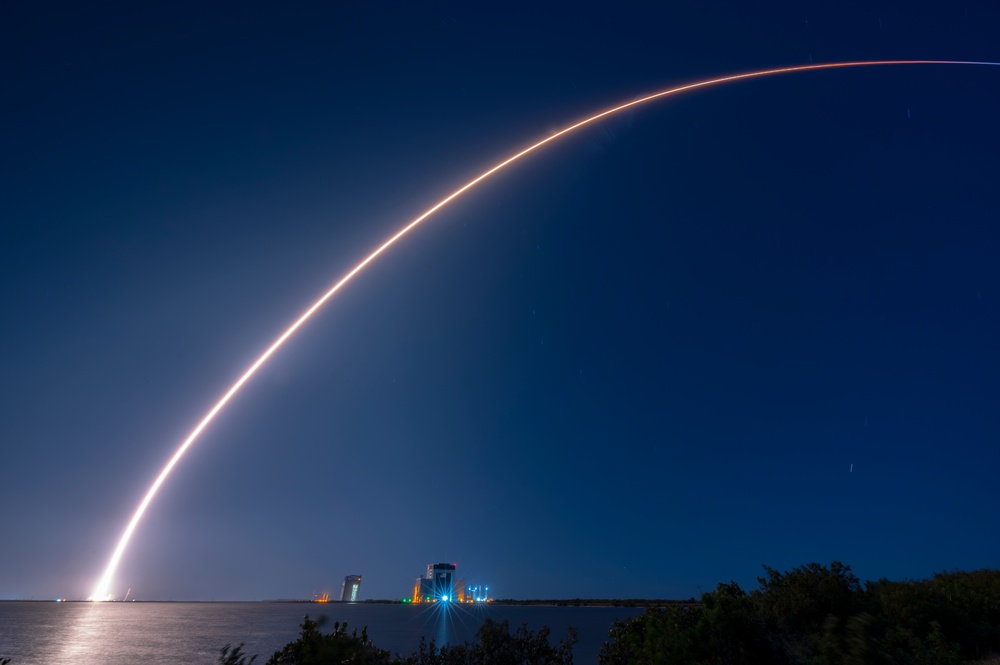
(102, 589)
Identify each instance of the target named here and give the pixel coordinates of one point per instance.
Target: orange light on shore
(102, 588)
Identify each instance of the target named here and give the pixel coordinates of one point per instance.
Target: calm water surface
(32, 633)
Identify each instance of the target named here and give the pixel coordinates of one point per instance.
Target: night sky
(640, 363)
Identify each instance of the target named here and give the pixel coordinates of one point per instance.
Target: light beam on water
(102, 590)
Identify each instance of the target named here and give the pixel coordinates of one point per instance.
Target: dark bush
(821, 615)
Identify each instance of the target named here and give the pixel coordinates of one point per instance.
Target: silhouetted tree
(661, 635)
(722, 631)
(795, 604)
(728, 632)
(316, 648)
(495, 645)
(850, 642)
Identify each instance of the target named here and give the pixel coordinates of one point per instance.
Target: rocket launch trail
(102, 589)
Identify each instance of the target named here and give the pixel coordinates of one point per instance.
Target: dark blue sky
(640, 363)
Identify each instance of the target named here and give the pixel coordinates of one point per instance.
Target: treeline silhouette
(822, 615)
(812, 615)
(494, 645)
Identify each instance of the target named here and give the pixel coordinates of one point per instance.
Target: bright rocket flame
(102, 589)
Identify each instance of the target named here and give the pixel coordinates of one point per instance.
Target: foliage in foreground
(231, 655)
(819, 615)
(316, 648)
(494, 645)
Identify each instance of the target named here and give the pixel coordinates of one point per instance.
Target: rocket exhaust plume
(102, 590)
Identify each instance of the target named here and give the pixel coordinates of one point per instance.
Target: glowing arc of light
(101, 591)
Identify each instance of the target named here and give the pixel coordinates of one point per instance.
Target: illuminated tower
(437, 585)
(443, 576)
(349, 591)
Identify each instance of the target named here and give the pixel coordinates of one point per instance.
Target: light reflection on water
(35, 633)
(85, 630)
